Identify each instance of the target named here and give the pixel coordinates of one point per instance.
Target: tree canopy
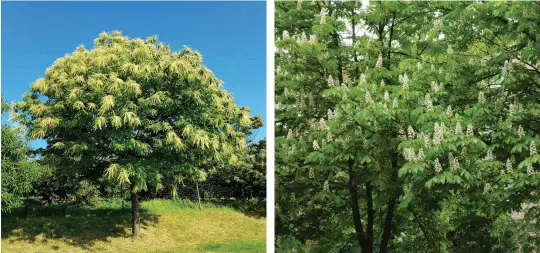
(19, 172)
(407, 127)
(136, 112)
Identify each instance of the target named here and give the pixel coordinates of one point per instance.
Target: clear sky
(231, 36)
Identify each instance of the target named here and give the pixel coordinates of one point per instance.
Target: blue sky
(231, 36)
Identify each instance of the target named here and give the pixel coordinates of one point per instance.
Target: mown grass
(167, 226)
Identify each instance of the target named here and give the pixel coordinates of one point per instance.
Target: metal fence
(207, 190)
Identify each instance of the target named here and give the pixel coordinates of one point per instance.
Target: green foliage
(249, 175)
(87, 193)
(402, 127)
(135, 112)
(19, 172)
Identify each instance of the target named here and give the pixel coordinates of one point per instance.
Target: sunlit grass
(168, 226)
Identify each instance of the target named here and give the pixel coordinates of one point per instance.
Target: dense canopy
(135, 111)
(407, 127)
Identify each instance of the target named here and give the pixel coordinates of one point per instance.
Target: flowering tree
(136, 112)
(401, 124)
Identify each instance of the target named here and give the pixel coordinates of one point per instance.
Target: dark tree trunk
(387, 231)
(388, 225)
(135, 214)
(357, 219)
(371, 213)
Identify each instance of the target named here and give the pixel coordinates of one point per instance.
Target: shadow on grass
(252, 207)
(236, 246)
(80, 226)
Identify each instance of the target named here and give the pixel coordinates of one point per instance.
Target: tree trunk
(387, 230)
(135, 214)
(357, 219)
(370, 212)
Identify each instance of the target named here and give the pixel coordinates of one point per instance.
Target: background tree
(393, 126)
(19, 171)
(135, 111)
(248, 177)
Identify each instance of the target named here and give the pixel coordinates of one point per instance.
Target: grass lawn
(167, 226)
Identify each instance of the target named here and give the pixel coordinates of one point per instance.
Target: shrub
(87, 193)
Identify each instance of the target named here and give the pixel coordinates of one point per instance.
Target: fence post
(26, 202)
(122, 196)
(198, 194)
